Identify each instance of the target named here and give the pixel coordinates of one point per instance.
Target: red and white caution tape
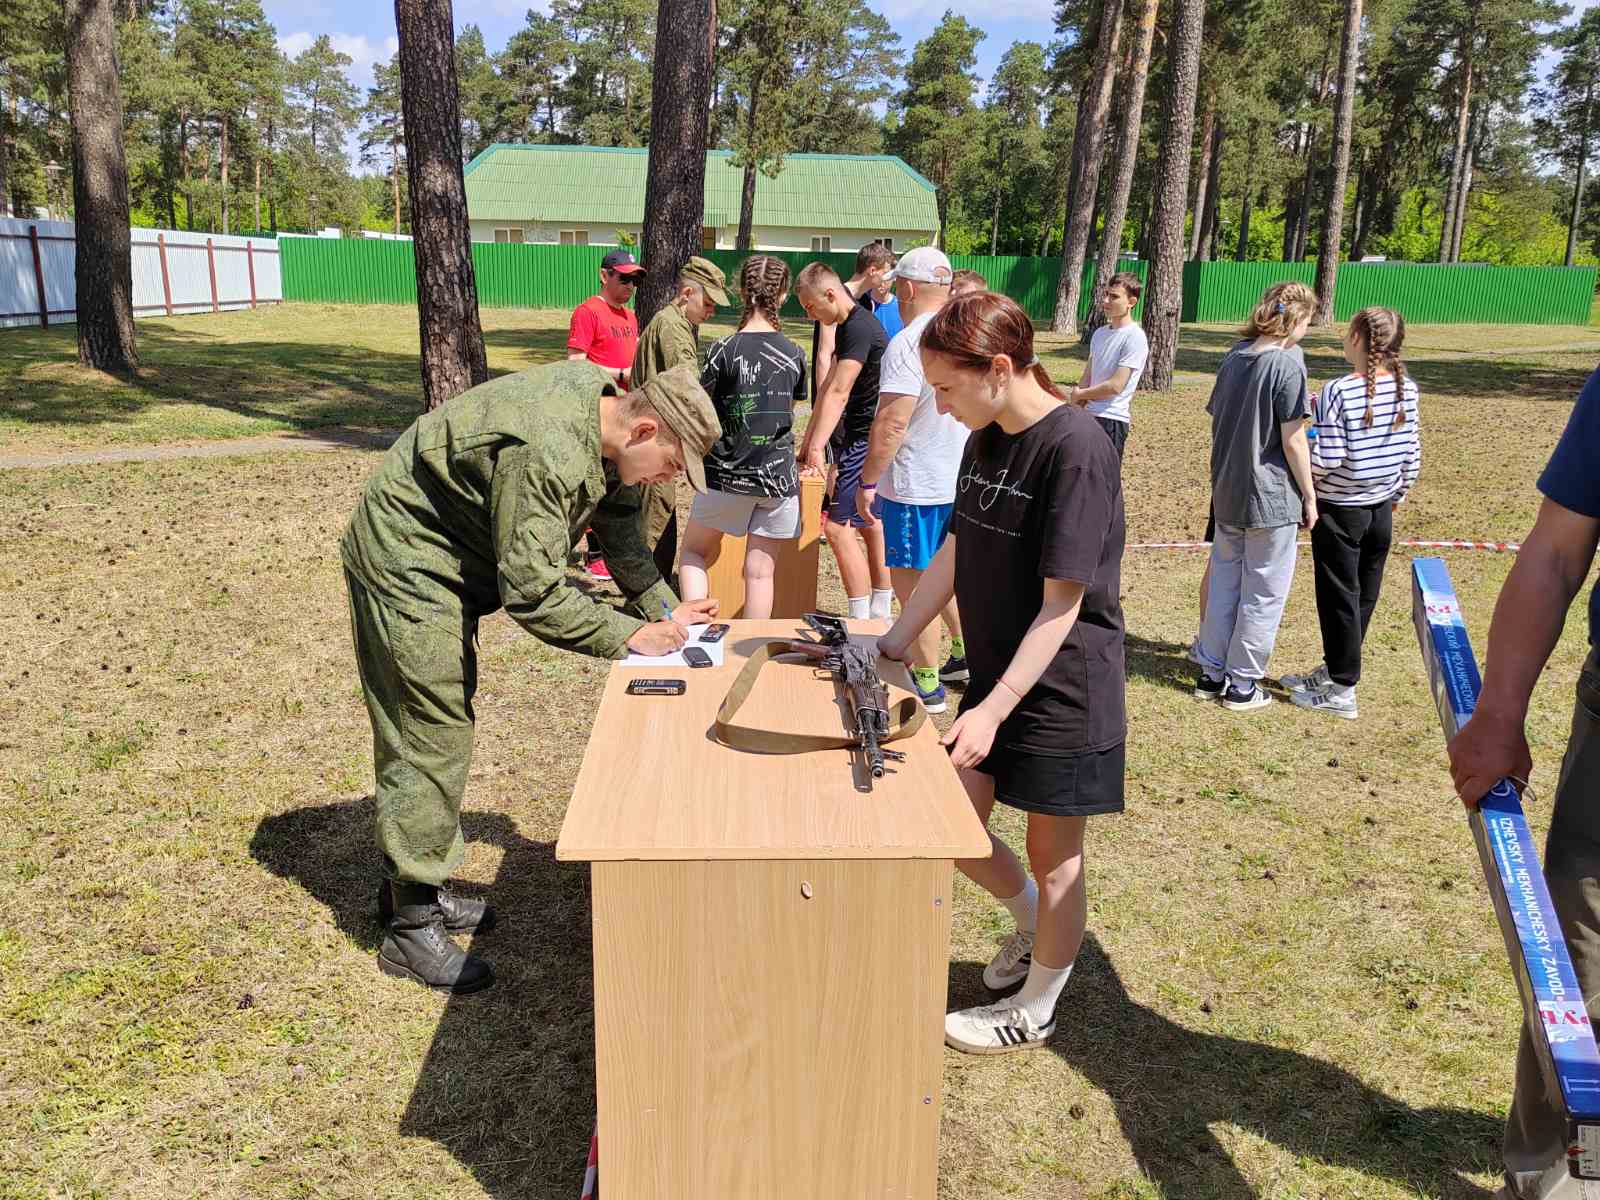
(1411, 543)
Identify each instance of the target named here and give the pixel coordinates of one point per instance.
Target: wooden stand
(795, 583)
(771, 943)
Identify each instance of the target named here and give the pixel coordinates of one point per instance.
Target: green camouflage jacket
(479, 504)
(666, 342)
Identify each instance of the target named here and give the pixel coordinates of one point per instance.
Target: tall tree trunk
(1302, 221)
(1203, 175)
(1088, 148)
(999, 194)
(1207, 215)
(447, 290)
(394, 179)
(747, 198)
(1116, 210)
(1339, 166)
(1242, 248)
(223, 131)
(1163, 297)
(188, 186)
(1458, 157)
(104, 267)
(1583, 163)
(675, 187)
(5, 155)
(1464, 192)
(258, 193)
(1358, 220)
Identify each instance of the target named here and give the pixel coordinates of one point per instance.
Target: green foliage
(938, 120)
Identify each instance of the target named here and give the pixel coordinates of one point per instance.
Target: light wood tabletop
(655, 783)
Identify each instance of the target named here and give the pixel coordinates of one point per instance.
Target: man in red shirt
(605, 331)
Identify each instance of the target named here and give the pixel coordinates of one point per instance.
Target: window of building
(574, 237)
(512, 236)
(888, 242)
(822, 245)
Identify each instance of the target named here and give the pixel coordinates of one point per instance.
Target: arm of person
(825, 417)
(883, 443)
(826, 338)
(1104, 390)
(1331, 446)
(972, 736)
(1296, 449)
(1413, 467)
(1528, 619)
(580, 334)
(618, 522)
(529, 516)
(933, 592)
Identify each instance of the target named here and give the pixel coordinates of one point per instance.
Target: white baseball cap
(925, 264)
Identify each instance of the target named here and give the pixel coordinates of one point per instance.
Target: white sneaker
(1312, 681)
(1338, 704)
(1010, 965)
(994, 1029)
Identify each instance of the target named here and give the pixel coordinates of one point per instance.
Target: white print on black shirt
(991, 490)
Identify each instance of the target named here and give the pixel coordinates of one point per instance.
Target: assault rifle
(855, 668)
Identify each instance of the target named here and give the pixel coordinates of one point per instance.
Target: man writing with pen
(476, 508)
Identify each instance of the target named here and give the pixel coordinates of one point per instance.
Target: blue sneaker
(955, 670)
(933, 701)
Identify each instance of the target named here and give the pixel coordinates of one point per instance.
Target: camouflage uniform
(666, 342)
(475, 508)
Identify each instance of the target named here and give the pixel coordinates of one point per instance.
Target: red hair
(977, 328)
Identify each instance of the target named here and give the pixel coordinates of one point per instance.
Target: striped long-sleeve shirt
(1354, 463)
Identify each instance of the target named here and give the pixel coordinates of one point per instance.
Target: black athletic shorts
(1117, 431)
(1081, 785)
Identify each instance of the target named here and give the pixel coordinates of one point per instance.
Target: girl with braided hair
(1366, 457)
(754, 378)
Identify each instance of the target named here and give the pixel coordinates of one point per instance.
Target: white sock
(858, 607)
(1024, 907)
(882, 604)
(1039, 995)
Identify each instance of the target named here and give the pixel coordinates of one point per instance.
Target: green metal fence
(370, 271)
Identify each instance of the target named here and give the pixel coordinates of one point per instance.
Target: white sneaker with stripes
(1333, 700)
(1311, 681)
(1010, 964)
(994, 1029)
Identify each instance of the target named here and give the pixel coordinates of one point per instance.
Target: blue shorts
(913, 533)
(840, 506)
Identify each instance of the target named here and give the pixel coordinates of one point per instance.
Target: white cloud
(364, 52)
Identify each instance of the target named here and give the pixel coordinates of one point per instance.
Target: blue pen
(666, 613)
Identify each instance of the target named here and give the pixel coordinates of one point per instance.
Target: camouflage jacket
(666, 342)
(479, 504)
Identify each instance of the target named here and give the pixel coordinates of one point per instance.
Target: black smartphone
(656, 687)
(714, 633)
(696, 657)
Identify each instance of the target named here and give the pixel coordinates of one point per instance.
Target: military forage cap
(708, 275)
(684, 407)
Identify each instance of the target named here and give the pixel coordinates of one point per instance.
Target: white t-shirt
(925, 467)
(1112, 348)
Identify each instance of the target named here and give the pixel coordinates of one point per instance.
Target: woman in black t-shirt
(754, 378)
(1033, 558)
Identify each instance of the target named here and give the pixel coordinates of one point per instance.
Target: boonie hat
(708, 275)
(622, 262)
(682, 404)
(925, 264)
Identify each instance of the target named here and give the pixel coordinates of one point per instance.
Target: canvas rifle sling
(905, 717)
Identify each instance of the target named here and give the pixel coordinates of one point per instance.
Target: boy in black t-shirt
(847, 400)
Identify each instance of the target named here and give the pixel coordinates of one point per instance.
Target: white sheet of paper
(675, 659)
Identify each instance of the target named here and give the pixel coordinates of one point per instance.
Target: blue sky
(365, 30)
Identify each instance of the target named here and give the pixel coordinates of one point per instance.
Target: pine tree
(1129, 127)
(1016, 95)
(383, 137)
(324, 104)
(1566, 106)
(1339, 167)
(938, 119)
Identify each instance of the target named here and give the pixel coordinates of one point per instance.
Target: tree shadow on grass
(1171, 1085)
(1441, 374)
(508, 1083)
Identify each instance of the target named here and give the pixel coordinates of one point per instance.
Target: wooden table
(770, 942)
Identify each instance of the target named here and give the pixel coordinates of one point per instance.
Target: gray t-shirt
(1256, 392)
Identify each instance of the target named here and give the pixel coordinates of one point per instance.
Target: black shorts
(840, 506)
(1080, 785)
(1117, 431)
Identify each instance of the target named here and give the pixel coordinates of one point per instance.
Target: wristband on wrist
(868, 487)
(1010, 689)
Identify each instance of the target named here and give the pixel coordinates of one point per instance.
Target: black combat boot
(462, 914)
(417, 947)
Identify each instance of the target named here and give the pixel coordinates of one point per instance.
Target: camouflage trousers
(418, 680)
(659, 512)
(1535, 1144)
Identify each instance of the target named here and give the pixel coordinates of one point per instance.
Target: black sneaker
(1207, 688)
(1245, 699)
(955, 670)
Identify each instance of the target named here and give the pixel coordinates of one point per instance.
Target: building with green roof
(589, 195)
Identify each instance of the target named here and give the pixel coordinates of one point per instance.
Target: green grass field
(1294, 986)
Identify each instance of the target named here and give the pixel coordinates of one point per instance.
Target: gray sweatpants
(1536, 1131)
(1251, 570)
